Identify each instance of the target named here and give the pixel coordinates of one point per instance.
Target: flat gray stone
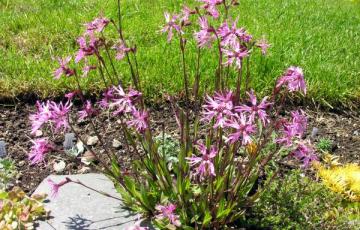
(76, 207)
(2, 149)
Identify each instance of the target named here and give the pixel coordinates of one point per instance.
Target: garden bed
(342, 128)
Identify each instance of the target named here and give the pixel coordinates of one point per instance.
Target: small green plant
(168, 148)
(7, 172)
(324, 145)
(298, 202)
(19, 211)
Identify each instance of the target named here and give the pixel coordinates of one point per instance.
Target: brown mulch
(342, 128)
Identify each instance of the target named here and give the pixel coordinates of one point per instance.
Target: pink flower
(263, 45)
(305, 154)
(86, 69)
(230, 36)
(124, 102)
(88, 111)
(295, 129)
(137, 226)
(243, 128)
(122, 50)
(139, 120)
(42, 116)
(294, 79)
(171, 25)
(168, 212)
(219, 108)
(185, 14)
(108, 96)
(288, 135)
(86, 48)
(236, 54)
(299, 122)
(210, 7)
(98, 24)
(38, 151)
(255, 110)
(205, 36)
(72, 94)
(206, 166)
(59, 115)
(56, 186)
(246, 37)
(64, 69)
(52, 113)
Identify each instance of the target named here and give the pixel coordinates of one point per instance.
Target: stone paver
(77, 207)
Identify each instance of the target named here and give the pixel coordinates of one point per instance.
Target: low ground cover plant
(298, 202)
(19, 211)
(221, 151)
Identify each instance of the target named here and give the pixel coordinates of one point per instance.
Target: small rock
(2, 149)
(21, 163)
(116, 144)
(59, 166)
(18, 176)
(314, 132)
(87, 158)
(356, 133)
(38, 133)
(84, 170)
(92, 140)
(80, 147)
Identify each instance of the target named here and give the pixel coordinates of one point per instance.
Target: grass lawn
(321, 36)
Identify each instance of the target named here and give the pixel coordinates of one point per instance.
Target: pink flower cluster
(206, 35)
(64, 69)
(124, 104)
(240, 125)
(292, 133)
(206, 166)
(168, 212)
(89, 44)
(238, 119)
(38, 151)
(256, 110)
(235, 43)
(52, 113)
(293, 79)
(88, 111)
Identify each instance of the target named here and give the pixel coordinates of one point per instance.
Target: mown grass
(321, 36)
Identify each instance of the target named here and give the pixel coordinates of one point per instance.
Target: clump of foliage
(7, 172)
(218, 165)
(19, 211)
(325, 145)
(298, 202)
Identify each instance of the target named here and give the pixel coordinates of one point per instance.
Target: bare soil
(343, 128)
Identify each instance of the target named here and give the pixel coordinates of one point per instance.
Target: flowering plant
(223, 150)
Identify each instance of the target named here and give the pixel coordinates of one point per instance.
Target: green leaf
(3, 195)
(207, 218)
(115, 169)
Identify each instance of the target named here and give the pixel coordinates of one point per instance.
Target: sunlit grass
(321, 36)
